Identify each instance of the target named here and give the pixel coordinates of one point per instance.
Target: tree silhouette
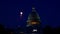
(47, 30)
(2, 29)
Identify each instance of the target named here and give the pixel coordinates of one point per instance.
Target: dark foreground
(46, 30)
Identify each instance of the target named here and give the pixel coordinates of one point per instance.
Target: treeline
(50, 30)
(46, 30)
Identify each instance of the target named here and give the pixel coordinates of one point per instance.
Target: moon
(21, 13)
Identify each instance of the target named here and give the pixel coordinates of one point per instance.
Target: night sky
(47, 10)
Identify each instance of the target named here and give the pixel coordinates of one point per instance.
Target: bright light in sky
(21, 13)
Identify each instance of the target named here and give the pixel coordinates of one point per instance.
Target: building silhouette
(33, 22)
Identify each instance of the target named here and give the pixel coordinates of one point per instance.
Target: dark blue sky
(47, 9)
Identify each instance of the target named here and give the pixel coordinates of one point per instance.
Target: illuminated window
(34, 30)
(33, 22)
